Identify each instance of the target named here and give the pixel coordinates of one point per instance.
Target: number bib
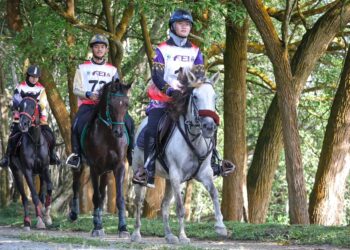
(94, 76)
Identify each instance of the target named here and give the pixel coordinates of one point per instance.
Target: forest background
(283, 96)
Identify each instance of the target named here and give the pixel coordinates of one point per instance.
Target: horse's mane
(179, 103)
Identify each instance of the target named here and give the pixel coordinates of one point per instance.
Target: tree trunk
(153, 200)
(327, 196)
(188, 199)
(4, 119)
(264, 164)
(58, 107)
(14, 15)
(235, 61)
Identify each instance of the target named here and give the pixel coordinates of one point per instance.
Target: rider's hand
(176, 84)
(91, 95)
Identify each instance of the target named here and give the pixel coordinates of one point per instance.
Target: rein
(187, 133)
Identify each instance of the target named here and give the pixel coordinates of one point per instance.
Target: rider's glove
(88, 94)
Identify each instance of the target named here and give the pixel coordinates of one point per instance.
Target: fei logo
(183, 58)
(101, 73)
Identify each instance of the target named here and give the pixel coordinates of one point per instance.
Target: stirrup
(140, 179)
(71, 161)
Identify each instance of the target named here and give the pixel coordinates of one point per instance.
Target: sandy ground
(10, 239)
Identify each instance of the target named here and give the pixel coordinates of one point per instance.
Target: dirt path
(10, 238)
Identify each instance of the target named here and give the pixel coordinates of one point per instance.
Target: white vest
(94, 76)
(175, 58)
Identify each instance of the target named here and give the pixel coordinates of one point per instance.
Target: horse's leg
(18, 177)
(74, 212)
(119, 173)
(35, 198)
(208, 183)
(140, 193)
(168, 195)
(42, 188)
(48, 198)
(96, 198)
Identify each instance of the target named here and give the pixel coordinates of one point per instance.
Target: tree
(235, 61)
(327, 196)
(290, 78)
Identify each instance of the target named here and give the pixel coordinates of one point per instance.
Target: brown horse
(105, 150)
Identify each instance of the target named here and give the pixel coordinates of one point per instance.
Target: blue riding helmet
(34, 71)
(180, 15)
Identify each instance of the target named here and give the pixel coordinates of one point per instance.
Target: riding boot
(54, 160)
(221, 167)
(4, 162)
(144, 175)
(11, 144)
(73, 160)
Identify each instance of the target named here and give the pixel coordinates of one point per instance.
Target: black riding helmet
(34, 71)
(180, 15)
(98, 39)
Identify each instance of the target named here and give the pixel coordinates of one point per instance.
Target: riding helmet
(180, 15)
(98, 38)
(34, 71)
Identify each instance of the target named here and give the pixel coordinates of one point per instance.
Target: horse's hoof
(221, 231)
(98, 233)
(171, 239)
(184, 240)
(26, 228)
(40, 224)
(124, 235)
(72, 216)
(136, 237)
(48, 220)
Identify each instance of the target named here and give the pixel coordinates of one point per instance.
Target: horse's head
(28, 111)
(116, 102)
(201, 108)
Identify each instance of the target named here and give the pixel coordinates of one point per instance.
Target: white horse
(187, 155)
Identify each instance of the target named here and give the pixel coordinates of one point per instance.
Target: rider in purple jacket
(171, 55)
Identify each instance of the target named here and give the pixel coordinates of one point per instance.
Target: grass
(282, 234)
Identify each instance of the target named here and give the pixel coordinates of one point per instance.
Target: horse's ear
(22, 94)
(214, 78)
(190, 76)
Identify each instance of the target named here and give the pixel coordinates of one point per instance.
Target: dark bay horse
(32, 159)
(105, 150)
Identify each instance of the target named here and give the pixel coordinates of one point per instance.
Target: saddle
(165, 129)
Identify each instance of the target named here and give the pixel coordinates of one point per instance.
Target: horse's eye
(195, 97)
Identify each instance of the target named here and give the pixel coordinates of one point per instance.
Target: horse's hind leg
(74, 212)
(48, 198)
(168, 195)
(18, 177)
(140, 193)
(119, 181)
(220, 227)
(28, 174)
(180, 210)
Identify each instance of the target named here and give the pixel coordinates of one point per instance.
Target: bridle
(193, 129)
(35, 113)
(108, 121)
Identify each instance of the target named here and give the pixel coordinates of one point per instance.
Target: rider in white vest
(171, 55)
(32, 86)
(89, 78)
